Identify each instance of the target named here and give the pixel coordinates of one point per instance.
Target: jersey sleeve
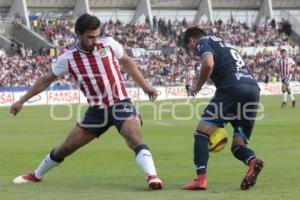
(291, 62)
(204, 47)
(117, 48)
(277, 62)
(60, 66)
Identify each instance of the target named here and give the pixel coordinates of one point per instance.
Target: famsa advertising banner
(6, 98)
(63, 97)
(54, 97)
(39, 99)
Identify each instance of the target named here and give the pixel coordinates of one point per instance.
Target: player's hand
(152, 93)
(188, 89)
(16, 107)
(194, 90)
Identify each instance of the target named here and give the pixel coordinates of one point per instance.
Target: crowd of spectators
(159, 68)
(164, 33)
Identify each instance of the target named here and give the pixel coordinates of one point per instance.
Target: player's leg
(239, 143)
(284, 93)
(131, 131)
(77, 138)
(201, 156)
(242, 152)
(243, 127)
(128, 123)
(94, 123)
(210, 120)
(201, 152)
(291, 95)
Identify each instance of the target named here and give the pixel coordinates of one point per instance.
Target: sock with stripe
(292, 96)
(47, 163)
(201, 153)
(145, 160)
(243, 153)
(285, 94)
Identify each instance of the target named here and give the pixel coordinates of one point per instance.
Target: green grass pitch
(106, 168)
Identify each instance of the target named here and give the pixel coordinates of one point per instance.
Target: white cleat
(30, 177)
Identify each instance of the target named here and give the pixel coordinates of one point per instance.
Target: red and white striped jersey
(97, 73)
(285, 65)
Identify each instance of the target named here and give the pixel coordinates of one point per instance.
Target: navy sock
(201, 153)
(243, 153)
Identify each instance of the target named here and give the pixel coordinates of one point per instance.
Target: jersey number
(238, 59)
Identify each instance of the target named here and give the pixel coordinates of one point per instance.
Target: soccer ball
(217, 140)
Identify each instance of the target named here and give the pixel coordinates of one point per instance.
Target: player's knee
(206, 129)
(56, 156)
(133, 137)
(131, 129)
(237, 141)
(283, 87)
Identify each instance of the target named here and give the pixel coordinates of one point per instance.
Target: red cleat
(255, 168)
(200, 183)
(154, 183)
(30, 177)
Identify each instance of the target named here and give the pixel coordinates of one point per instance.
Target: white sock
(292, 96)
(285, 94)
(45, 166)
(145, 161)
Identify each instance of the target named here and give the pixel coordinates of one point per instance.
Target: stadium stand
(152, 41)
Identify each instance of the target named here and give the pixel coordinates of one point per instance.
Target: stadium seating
(164, 67)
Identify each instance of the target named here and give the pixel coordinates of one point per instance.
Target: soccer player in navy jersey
(94, 64)
(235, 102)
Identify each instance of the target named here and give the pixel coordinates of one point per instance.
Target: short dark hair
(193, 32)
(86, 22)
(282, 50)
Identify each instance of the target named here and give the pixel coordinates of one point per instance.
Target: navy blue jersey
(230, 68)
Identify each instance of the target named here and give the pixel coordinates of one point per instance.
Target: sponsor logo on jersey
(103, 52)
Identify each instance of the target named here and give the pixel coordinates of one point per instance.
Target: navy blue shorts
(285, 80)
(98, 120)
(237, 105)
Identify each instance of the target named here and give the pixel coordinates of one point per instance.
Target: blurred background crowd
(158, 52)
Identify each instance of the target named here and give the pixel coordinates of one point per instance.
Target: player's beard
(89, 48)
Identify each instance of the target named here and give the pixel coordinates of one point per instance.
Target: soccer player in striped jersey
(94, 64)
(285, 64)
